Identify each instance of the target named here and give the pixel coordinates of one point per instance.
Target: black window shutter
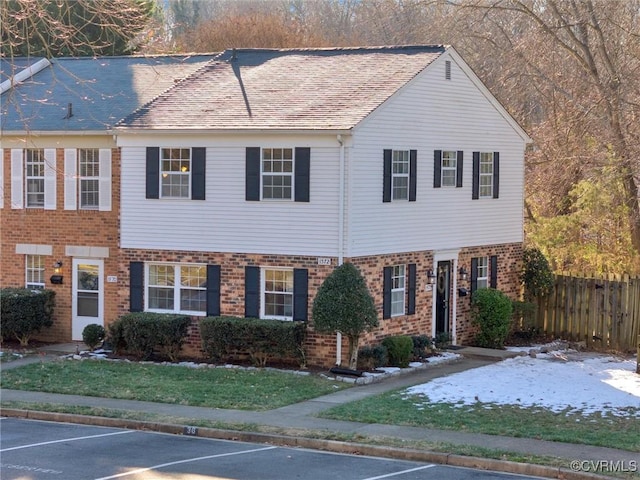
(252, 174)
(153, 172)
(475, 190)
(459, 169)
(386, 177)
(386, 295)
(213, 290)
(437, 168)
(474, 274)
(413, 174)
(411, 303)
(198, 173)
(300, 293)
(302, 166)
(496, 174)
(136, 286)
(252, 292)
(493, 279)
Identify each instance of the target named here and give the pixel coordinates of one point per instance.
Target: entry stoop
(486, 353)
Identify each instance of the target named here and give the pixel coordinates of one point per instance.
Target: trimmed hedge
(399, 348)
(92, 335)
(260, 339)
(492, 312)
(24, 312)
(420, 345)
(372, 357)
(144, 332)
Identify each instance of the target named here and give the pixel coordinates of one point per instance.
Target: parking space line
(74, 439)
(388, 475)
(188, 460)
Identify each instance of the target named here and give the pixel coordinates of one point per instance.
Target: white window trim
(93, 178)
(71, 177)
(278, 174)
(263, 292)
(27, 283)
(176, 289)
(453, 169)
(41, 160)
(185, 174)
(399, 290)
(483, 264)
(395, 176)
(485, 175)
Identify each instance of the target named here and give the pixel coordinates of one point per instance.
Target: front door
(88, 293)
(443, 292)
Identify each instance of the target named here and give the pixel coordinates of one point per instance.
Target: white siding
(226, 222)
(432, 114)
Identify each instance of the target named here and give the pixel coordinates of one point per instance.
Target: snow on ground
(580, 382)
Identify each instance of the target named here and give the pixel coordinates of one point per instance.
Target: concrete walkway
(300, 419)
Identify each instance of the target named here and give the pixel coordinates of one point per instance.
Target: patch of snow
(594, 383)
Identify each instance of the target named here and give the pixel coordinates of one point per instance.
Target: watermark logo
(604, 466)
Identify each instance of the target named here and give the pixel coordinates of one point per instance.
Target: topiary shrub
(399, 348)
(25, 312)
(420, 345)
(492, 313)
(372, 357)
(142, 333)
(92, 335)
(262, 340)
(343, 304)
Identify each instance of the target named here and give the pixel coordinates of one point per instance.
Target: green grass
(207, 387)
(395, 408)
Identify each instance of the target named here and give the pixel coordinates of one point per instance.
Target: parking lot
(37, 450)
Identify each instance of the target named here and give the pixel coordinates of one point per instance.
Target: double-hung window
(398, 281)
(277, 173)
(177, 288)
(277, 293)
(175, 172)
(89, 176)
(482, 278)
(486, 174)
(34, 271)
(400, 175)
(34, 177)
(449, 168)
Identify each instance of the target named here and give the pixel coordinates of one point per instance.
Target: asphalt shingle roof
(307, 89)
(102, 90)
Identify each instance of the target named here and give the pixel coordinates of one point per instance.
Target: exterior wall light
(463, 274)
(431, 277)
(56, 279)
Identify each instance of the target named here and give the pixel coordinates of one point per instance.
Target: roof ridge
(367, 48)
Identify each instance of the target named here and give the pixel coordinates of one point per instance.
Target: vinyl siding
(433, 113)
(225, 221)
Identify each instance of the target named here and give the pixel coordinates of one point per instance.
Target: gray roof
(301, 89)
(101, 91)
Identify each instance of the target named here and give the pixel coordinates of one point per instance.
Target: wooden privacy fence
(603, 310)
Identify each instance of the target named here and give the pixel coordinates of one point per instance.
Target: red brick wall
(59, 228)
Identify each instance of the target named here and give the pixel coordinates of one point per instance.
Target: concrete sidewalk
(300, 419)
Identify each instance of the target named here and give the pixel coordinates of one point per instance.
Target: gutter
(24, 74)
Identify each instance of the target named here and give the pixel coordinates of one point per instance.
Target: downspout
(340, 236)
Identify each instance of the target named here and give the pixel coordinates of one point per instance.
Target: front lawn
(205, 387)
(396, 408)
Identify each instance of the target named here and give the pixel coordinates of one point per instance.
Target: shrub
(492, 311)
(420, 345)
(372, 357)
(442, 340)
(343, 304)
(536, 275)
(143, 333)
(260, 339)
(92, 335)
(25, 312)
(399, 349)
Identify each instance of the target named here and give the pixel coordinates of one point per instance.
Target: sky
(583, 383)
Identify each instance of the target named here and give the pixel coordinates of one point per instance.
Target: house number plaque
(324, 261)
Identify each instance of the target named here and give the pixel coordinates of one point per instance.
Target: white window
(277, 173)
(486, 174)
(449, 168)
(175, 173)
(34, 177)
(277, 294)
(482, 280)
(177, 288)
(398, 280)
(34, 271)
(89, 176)
(400, 175)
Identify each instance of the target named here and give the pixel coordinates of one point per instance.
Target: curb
(311, 443)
